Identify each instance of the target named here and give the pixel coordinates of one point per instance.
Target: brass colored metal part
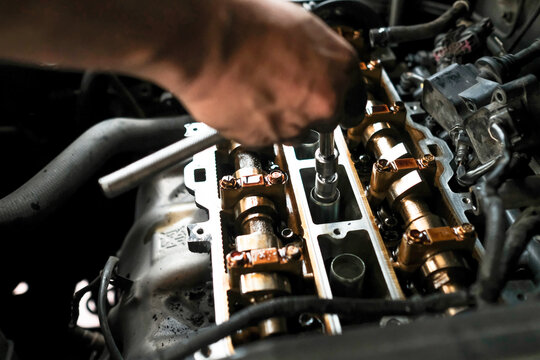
(273, 326)
(416, 214)
(385, 172)
(276, 177)
(286, 260)
(444, 260)
(251, 182)
(259, 284)
(417, 246)
(246, 172)
(393, 115)
(256, 240)
(439, 270)
(372, 71)
(293, 219)
(409, 184)
(228, 182)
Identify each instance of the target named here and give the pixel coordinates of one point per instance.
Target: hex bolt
(427, 159)
(293, 252)
(228, 182)
(237, 258)
(414, 236)
(382, 165)
(276, 177)
(465, 231)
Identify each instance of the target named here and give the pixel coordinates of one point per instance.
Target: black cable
(295, 305)
(102, 305)
(398, 34)
(77, 299)
(59, 179)
(493, 209)
(517, 237)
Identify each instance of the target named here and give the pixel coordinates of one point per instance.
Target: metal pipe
(326, 144)
(136, 173)
(325, 194)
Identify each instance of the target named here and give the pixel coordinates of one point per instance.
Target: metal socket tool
(136, 173)
(325, 194)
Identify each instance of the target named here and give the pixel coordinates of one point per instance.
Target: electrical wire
(102, 305)
(77, 299)
(295, 305)
(493, 209)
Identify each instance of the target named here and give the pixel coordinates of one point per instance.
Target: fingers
(286, 72)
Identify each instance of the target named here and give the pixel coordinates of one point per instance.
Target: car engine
(411, 230)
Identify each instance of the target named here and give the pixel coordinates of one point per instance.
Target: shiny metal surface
(134, 174)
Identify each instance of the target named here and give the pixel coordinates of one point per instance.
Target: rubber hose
(493, 208)
(397, 34)
(59, 179)
(517, 237)
(295, 305)
(517, 193)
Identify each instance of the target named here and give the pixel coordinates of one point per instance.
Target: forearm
(130, 36)
(259, 71)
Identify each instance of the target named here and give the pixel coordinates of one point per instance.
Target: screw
(293, 252)
(465, 231)
(373, 64)
(228, 182)
(414, 236)
(427, 159)
(237, 258)
(382, 165)
(276, 177)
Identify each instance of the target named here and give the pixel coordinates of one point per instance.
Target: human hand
(271, 71)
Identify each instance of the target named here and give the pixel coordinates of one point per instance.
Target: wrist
(189, 40)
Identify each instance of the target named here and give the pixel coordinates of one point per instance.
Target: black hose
(518, 193)
(517, 238)
(492, 206)
(102, 306)
(502, 68)
(296, 305)
(397, 34)
(59, 179)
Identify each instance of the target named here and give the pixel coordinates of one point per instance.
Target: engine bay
(412, 231)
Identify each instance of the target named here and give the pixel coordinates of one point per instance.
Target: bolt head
(237, 258)
(415, 236)
(293, 252)
(382, 165)
(468, 228)
(276, 177)
(228, 182)
(427, 159)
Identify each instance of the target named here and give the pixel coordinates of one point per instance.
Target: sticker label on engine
(172, 238)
